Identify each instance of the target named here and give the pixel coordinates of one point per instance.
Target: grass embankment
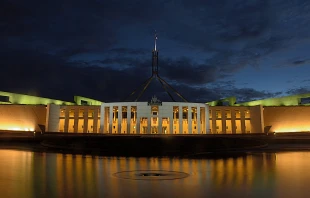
(150, 146)
(129, 145)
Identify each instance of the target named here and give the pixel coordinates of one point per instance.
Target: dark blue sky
(209, 49)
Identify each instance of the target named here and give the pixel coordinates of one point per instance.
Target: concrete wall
(257, 119)
(79, 119)
(287, 119)
(52, 118)
(22, 117)
(234, 120)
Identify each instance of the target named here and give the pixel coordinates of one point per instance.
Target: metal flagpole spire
(155, 40)
(155, 57)
(164, 84)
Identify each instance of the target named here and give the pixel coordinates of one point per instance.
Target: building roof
(293, 100)
(15, 98)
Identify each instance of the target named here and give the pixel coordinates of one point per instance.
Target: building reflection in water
(29, 174)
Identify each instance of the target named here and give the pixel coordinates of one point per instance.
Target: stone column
(119, 120)
(160, 125)
(207, 123)
(85, 123)
(242, 121)
(171, 124)
(111, 119)
(189, 120)
(198, 120)
(102, 124)
(223, 121)
(128, 119)
(180, 120)
(138, 119)
(214, 129)
(66, 124)
(233, 121)
(203, 119)
(76, 120)
(149, 120)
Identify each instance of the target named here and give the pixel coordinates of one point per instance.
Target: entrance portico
(154, 118)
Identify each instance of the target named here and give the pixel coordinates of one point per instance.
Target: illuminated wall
(78, 119)
(22, 117)
(14, 98)
(52, 117)
(235, 120)
(293, 100)
(287, 119)
(80, 100)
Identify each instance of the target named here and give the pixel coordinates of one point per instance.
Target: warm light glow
(289, 130)
(15, 128)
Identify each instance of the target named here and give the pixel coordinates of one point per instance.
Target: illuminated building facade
(84, 115)
(154, 118)
(29, 113)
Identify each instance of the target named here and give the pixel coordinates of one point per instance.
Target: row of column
(201, 128)
(223, 120)
(85, 119)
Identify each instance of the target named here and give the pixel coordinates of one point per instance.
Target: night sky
(208, 49)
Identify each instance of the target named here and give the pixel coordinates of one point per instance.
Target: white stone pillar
(128, 119)
(76, 120)
(160, 125)
(111, 119)
(223, 119)
(171, 124)
(52, 118)
(96, 117)
(149, 120)
(207, 123)
(243, 129)
(102, 119)
(180, 120)
(66, 124)
(119, 120)
(138, 124)
(198, 120)
(85, 120)
(189, 120)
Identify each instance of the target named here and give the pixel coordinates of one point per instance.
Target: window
(81, 112)
(237, 114)
(83, 102)
(4, 98)
(227, 114)
(218, 114)
(71, 113)
(247, 113)
(90, 113)
(62, 112)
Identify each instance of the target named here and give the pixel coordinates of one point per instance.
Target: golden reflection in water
(67, 175)
(293, 174)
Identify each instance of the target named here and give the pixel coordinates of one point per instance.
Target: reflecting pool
(34, 174)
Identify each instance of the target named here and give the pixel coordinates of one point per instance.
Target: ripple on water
(151, 175)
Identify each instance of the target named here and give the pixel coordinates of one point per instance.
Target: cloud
(128, 51)
(95, 48)
(299, 90)
(54, 77)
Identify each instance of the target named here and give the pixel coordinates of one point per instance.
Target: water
(31, 174)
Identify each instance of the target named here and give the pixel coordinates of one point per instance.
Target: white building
(154, 117)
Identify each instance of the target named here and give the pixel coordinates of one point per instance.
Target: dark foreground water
(29, 174)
